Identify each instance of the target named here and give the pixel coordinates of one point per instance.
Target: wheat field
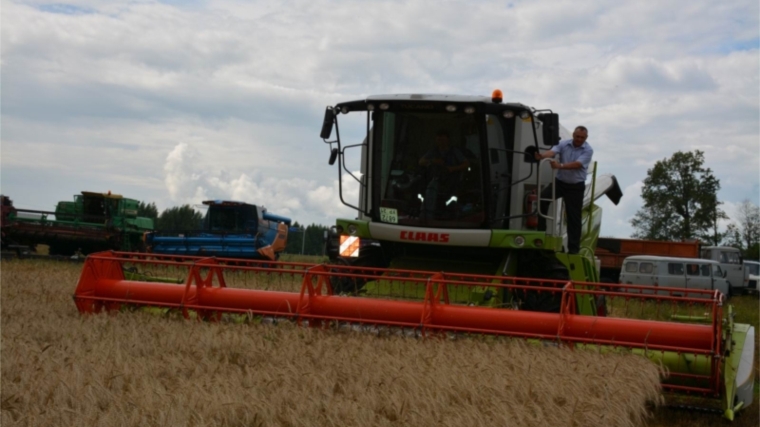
(140, 369)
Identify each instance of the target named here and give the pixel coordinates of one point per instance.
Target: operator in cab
(445, 164)
(572, 168)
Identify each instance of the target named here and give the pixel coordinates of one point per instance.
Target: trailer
(611, 253)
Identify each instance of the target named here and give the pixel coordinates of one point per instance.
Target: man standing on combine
(575, 156)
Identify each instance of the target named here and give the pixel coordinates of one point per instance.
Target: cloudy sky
(175, 102)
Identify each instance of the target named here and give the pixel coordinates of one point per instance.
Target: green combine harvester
(92, 222)
(482, 220)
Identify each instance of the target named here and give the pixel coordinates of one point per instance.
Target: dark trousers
(572, 194)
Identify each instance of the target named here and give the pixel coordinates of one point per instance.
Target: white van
(689, 273)
(753, 270)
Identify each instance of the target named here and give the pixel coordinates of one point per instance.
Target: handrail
(591, 199)
(538, 186)
(540, 190)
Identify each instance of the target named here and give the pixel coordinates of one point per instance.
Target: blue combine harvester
(231, 230)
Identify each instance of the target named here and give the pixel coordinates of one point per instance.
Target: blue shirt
(567, 154)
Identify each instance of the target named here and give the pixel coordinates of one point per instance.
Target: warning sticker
(389, 215)
(349, 246)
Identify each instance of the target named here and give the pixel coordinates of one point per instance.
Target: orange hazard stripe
(349, 246)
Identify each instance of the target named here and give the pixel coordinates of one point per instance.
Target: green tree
(180, 218)
(732, 237)
(713, 236)
(148, 210)
(748, 217)
(753, 252)
(315, 239)
(307, 240)
(680, 200)
(744, 231)
(295, 236)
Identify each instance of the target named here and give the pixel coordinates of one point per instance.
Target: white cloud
(224, 99)
(188, 181)
(616, 219)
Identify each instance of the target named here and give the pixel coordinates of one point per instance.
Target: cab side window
(717, 272)
(631, 267)
(753, 268)
(646, 267)
(692, 269)
(733, 257)
(675, 268)
(706, 270)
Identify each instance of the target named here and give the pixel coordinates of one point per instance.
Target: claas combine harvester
(432, 254)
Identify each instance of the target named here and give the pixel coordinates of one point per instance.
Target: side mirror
(530, 154)
(327, 123)
(550, 128)
(615, 193)
(333, 156)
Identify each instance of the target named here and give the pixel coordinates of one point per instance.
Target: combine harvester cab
(432, 256)
(479, 217)
(230, 229)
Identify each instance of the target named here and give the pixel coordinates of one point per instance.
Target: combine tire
(546, 301)
(345, 285)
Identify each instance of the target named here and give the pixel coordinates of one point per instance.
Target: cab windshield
(753, 268)
(429, 166)
(231, 218)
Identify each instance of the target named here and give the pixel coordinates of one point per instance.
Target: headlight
(351, 229)
(509, 114)
(519, 241)
(451, 108)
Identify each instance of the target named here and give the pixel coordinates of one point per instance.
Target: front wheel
(546, 301)
(345, 285)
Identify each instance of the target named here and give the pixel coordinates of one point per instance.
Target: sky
(181, 101)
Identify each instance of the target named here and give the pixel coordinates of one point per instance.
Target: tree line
(302, 239)
(177, 218)
(681, 203)
(307, 240)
